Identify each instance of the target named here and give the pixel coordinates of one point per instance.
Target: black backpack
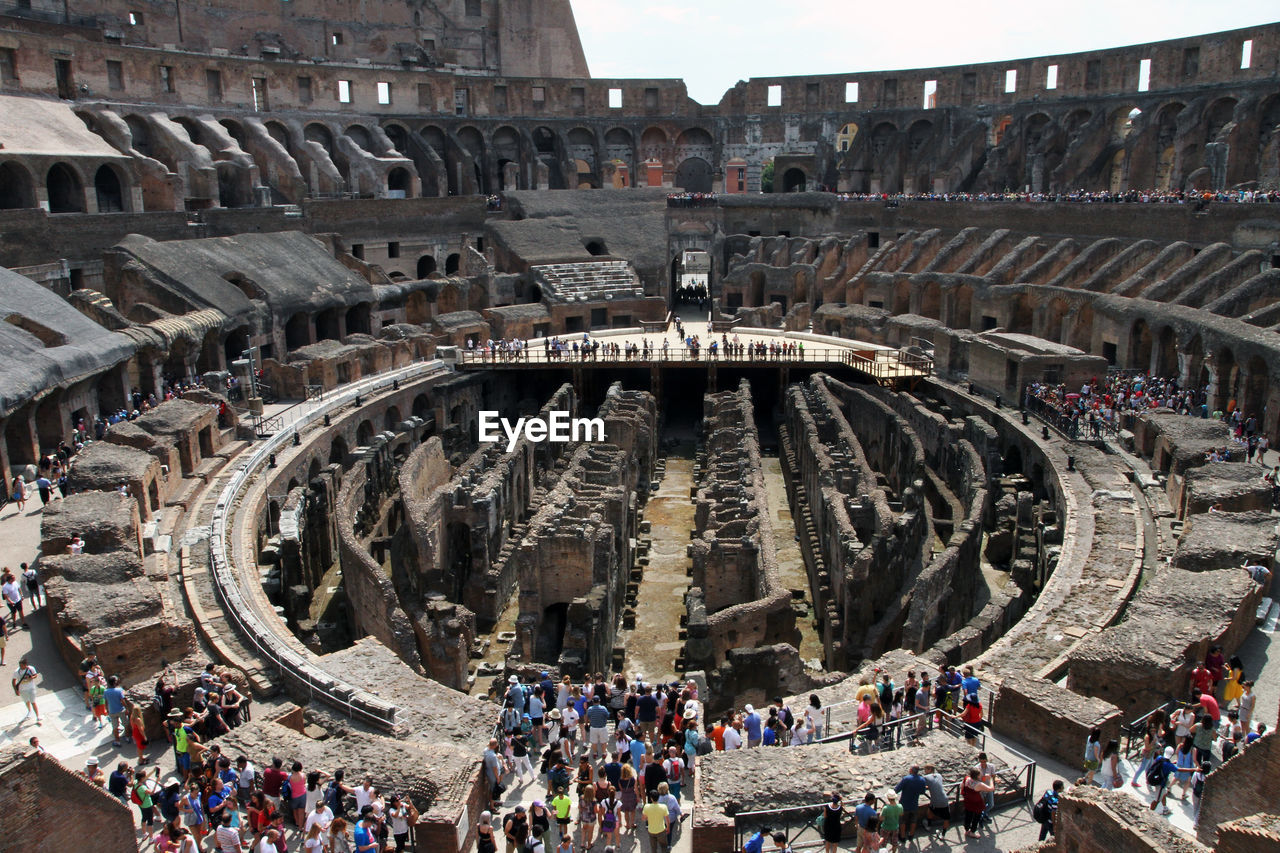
(1042, 812)
(1157, 773)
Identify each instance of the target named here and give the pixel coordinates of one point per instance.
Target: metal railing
(1076, 428)
(1136, 730)
(884, 364)
(243, 610)
(1015, 785)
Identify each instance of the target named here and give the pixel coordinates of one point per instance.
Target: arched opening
(845, 137)
(234, 130)
(359, 134)
(236, 343)
(426, 266)
(1123, 122)
(399, 137)
(364, 434)
(596, 247)
(550, 642)
(313, 470)
(399, 183)
(1217, 117)
(106, 185)
(458, 555)
(902, 297)
(1053, 325)
(694, 175)
(320, 135)
(1140, 346)
(1167, 353)
(415, 308)
(1256, 385)
(327, 325)
(452, 263)
(1012, 461)
(1115, 172)
(66, 193)
(794, 180)
(338, 451)
(297, 331)
(17, 190)
(1228, 375)
(391, 418)
(358, 319)
(421, 407)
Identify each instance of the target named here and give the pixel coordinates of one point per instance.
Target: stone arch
(1140, 345)
(1077, 119)
(1256, 386)
(1166, 352)
(359, 134)
(297, 331)
(794, 180)
(327, 328)
(881, 136)
(65, 189)
(338, 451)
(422, 406)
(452, 263)
(1166, 124)
(902, 296)
(1219, 114)
(1081, 334)
(364, 433)
(319, 134)
(313, 470)
(930, 299)
(1021, 314)
(235, 343)
(398, 135)
(619, 148)
(415, 308)
(391, 418)
(234, 130)
(507, 153)
(694, 136)
(653, 143)
(190, 126)
(1115, 171)
(962, 312)
(280, 133)
(694, 175)
(1195, 373)
(845, 137)
(426, 265)
(434, 138)
(448, 300)
(1228, 376)
(918, 134)
(471, 140)
(400, 181)
(359, 319)
(110, 187)
(1055, 315)
(17, 187)
(1122, 122)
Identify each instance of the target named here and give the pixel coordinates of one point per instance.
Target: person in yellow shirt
(1232, 691)
(561, 804)
(657, 819)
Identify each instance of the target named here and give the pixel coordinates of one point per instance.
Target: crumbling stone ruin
(255, 280)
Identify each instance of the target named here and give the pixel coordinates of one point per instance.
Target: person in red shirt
(1216, 664)
(1201, 679)
(1207, 705)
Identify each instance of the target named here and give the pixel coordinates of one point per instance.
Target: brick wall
(1052, 719)
(1254, 834)
(1096, 821)
(53, 808)
(1243, 786)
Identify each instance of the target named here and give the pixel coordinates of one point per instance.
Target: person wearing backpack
(1158, 779)
(1197, 789)
(144, 789)
(755, 844)
(1046, 808)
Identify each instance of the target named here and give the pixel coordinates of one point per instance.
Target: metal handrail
(1137, 729)
(892, 364)
(241, 609)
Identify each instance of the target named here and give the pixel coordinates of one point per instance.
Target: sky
(713, 44)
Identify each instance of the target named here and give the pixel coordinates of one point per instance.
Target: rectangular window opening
(460, 102)
(166, 78)
(335, 39)
(930, 94)
(344, 91)
(851, 92)
(578, 98)
(213, 83)
(304, 90)
(1051, 77)
(260, 94)
(775, 96)
(426, 95)
(384, 92)
(1011, 80)
(1246, 54)
(393, 250)
(539, 94)
(8, 66)
(1144, 75)
(135, 19)
(615, 99)
(115, 75)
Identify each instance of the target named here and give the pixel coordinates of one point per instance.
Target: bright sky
(712, 44)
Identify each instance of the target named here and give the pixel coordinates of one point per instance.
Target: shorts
(598, 735)
(298, 803)
(274, 800)
(117, 720)
(27, 692)
(563, 821)
(184, 761)
(941, 812)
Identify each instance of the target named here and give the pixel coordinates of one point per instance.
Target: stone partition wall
(1091, 820)
(575, 556)
(1244, 785)
(735, 598)
(371, 596)
(56, 808)
(1051, 719)
(1168, 628)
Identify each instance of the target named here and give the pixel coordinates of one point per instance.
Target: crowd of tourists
(689, 347)
(1194, 197)
(689, 199)
(1098, 406)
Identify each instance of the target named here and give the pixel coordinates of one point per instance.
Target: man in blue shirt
(865, 813)
(912, 787)
(752, 723)
(638, 750)
(366, 836)
(114, 695)
(597, 727)
(1050, 800)
(970, 683)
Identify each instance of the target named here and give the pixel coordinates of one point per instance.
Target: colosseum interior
(283, 239)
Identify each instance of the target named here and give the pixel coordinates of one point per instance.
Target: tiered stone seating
(586, 281)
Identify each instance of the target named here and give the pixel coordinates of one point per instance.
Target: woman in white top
(313, 842)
